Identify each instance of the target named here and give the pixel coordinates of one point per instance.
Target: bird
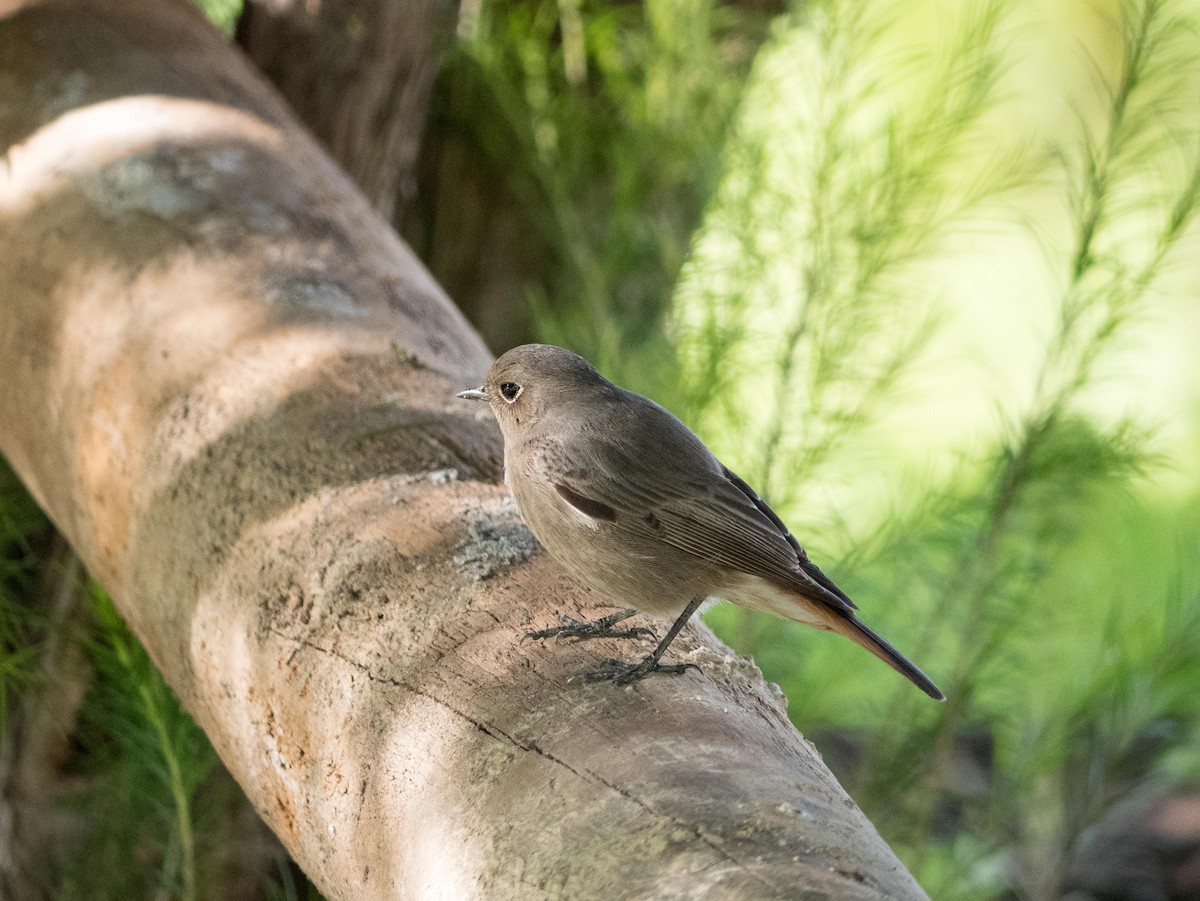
(634, 505)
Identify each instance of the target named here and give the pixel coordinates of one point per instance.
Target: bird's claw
(573, 629)
(621, 673)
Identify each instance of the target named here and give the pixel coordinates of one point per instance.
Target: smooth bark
(231, 386)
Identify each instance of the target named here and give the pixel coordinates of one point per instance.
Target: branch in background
(359, 74)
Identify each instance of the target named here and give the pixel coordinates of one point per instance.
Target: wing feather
(685, 498)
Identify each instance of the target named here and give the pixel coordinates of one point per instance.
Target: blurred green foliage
(24, 531)
(145, 759)
(607, 122)
(222, 13)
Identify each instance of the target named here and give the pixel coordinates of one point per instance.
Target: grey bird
(631, 502)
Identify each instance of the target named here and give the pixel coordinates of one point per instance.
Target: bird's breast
(632, 570)
(561, 528)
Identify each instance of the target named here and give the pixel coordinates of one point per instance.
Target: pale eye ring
(510, 391)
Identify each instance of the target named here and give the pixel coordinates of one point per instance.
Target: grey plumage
(632, 503)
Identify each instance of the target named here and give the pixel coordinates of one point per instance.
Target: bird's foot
(573, 629)
(621, 673)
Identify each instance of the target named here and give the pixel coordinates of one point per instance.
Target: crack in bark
(500, 735)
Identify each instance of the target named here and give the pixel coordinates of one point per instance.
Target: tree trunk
(359, 73)
(231, 386)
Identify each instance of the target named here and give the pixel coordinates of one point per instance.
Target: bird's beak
(473, 394)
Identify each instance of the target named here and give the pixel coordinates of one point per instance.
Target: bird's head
(533, 379)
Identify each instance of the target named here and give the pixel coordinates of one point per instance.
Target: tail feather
(864, 636)
(759, 594)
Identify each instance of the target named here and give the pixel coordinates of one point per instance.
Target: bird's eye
(510, 391)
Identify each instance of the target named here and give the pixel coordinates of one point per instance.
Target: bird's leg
(577, 630)
(623, 673)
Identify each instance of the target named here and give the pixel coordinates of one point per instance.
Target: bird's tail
(760, 594)
(846, 623)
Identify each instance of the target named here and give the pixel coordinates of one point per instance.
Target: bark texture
(231, 386)
(359, 73)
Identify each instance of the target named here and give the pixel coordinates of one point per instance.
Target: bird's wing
(683, 496)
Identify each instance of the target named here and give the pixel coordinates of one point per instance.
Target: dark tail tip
(913, 673)
(883, 649)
